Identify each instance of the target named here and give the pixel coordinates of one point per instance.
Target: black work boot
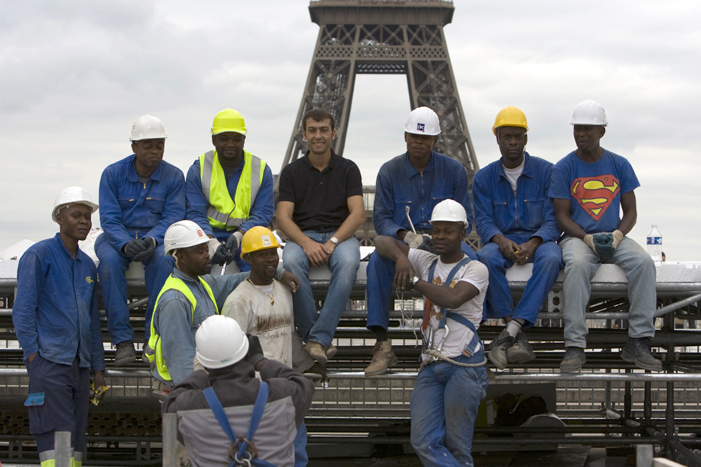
(125, 354)
(499, 347)
(521, 351)
(573, 360)
(637, 351)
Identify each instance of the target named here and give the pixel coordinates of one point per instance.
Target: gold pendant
(272, 301)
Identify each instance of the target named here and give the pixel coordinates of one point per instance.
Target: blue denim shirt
(261, 210)
(55, 312)
(400, 184)
(130, 209)
(173, 319)
(527, 212)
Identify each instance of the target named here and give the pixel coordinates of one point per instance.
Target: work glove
(589, 240)
(617, 237)
(419, 241)
(255, 351)
(222, 255)
(97, 393)
(149, 248)
(603, 245)
(234, 242)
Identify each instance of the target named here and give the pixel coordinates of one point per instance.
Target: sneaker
(125, 354)
(637, 351)
(573, 360)
(499, 347)
(521, 351)
(317, 352)
(331, 351)
(382, 359)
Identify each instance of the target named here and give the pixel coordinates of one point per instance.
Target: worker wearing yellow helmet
(229, 191)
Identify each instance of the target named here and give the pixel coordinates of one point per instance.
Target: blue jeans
(444, 405)
(113, 284)
(344, 261)
(581, 264)
(66, 392)
(547, 261)
(380, 272)
(300, 444)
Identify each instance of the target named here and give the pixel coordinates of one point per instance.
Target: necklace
(272, 300)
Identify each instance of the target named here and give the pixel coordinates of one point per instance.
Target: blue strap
(448, 280)
(462, 320)
(220, 415)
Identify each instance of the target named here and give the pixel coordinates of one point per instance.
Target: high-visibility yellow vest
(223, 212)
(154, 350)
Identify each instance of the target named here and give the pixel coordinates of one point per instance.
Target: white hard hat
(183, 234)
(147, 127)
(72, 195)
(220, 342)
(423, 121)
(449, 211)
(589, 112)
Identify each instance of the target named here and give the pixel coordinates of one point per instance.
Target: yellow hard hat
(258, 238)
(510, 116)
(229, 120)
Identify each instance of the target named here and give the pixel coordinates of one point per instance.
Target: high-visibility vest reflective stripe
(154, 348)
(223, 212)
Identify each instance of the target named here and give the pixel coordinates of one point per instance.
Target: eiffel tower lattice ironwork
(384, 37)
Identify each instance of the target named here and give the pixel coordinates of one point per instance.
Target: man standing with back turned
(516, 223)
(140, 197)
(320, 208)
(229, 191)
(590, 187)
(409, 186)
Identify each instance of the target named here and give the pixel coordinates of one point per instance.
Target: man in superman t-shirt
(590, 187)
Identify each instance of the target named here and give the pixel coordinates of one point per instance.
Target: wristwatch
(334, 240)
(414, 280)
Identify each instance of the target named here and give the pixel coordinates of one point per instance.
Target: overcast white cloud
(76, 74)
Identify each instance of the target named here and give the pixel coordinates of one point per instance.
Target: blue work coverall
(262, 207)
(56, 315)
(399, 184)
(131, 209)
(517, 215)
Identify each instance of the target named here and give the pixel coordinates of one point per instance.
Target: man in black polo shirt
(320, 208)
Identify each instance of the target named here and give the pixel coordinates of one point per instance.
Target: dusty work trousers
(444, 405)
(547, 262)
(581, 264)
(380, 273)
(113, 284)
(66, 390)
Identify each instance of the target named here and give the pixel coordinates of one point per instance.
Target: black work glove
(234, 242)
(603, 242)
(149, 245)
(135, 247)
(222, 255)
(255, 351)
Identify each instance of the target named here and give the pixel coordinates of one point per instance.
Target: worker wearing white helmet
(187, 298)
(590, 187)
(141, 195)
(515, 220)
(229, 191)
(57, 324)
(407, 189)
(224, 410)
(452, 379)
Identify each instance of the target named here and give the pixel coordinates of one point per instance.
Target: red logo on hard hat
(200, 233)
(595, 194)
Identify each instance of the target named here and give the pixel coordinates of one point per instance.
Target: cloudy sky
(76, 74)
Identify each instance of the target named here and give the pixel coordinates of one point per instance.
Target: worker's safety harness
(428, 332)
(242, 450)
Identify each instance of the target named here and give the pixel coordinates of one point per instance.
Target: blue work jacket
(55, 312)
(517, 215)
(173, 319)
(261, 210)
(399, 184)
(131, 209)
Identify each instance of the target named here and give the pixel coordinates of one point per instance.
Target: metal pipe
(62, 447)
(170, 440)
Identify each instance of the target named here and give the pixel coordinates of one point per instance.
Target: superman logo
(595, 194)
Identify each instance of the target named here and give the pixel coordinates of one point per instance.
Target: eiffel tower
(383, 37)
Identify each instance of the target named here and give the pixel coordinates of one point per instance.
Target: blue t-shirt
(594, 189)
